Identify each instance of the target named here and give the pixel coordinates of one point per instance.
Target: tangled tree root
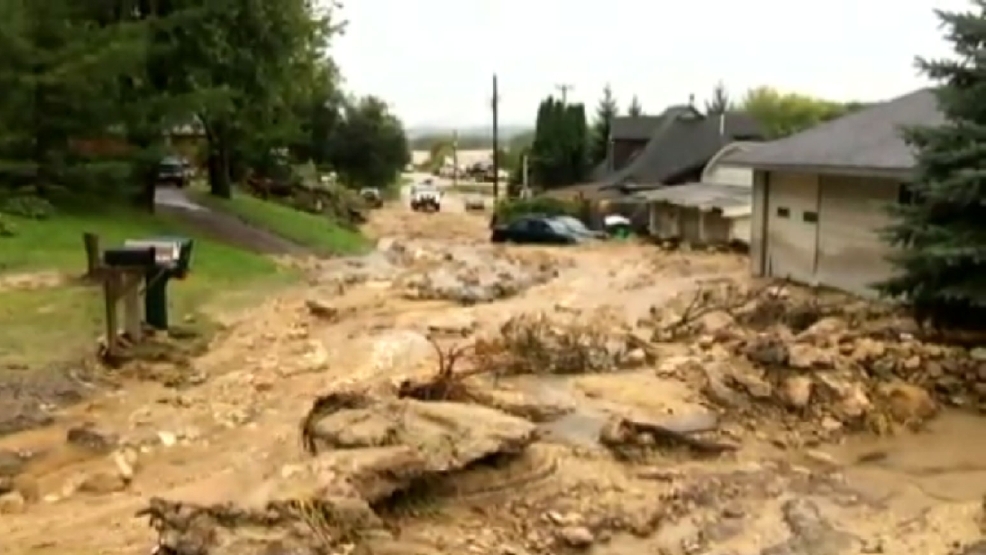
(445, 384)
(539, 343)
(324, 406)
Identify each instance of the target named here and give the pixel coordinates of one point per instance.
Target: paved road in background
(451, 201)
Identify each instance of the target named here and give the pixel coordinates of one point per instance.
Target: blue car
(534, 230)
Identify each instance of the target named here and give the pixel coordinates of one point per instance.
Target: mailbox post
(172, 258)
(154, 262)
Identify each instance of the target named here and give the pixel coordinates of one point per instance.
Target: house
(187, 139)
(820, 196)
(650, 152)
(681, 144)
(628, 137)
(715, 210)
(679, 149)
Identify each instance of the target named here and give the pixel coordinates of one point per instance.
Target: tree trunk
(218, 163)
(219, 182)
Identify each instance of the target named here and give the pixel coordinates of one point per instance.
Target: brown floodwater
(944, 463)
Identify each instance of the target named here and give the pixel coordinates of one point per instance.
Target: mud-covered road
(591, 400)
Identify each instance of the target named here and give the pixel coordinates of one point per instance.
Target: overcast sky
(433, 60)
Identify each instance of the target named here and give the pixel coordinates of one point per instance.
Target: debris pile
(558, 343)
(367, 452)
(824, 359)
(468, 277)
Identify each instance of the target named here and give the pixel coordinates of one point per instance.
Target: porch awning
(732, 200)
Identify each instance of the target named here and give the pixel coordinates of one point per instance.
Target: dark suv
(175, 171)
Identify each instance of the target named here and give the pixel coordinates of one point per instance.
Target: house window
(783, 212)
(810, 217)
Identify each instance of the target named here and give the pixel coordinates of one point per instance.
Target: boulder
(907, 403)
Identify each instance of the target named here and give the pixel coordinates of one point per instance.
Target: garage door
(792, 222)
(851, 254)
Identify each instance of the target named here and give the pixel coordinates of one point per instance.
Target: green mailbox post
(172, 259)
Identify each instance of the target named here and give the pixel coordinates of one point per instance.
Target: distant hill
(506, 131)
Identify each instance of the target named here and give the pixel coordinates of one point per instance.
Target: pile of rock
(473, 279)
(841, 371)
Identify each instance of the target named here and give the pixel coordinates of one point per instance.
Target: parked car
(175, 171)
(372, 197)
(475, 203)
(576, 226)
(534, 230)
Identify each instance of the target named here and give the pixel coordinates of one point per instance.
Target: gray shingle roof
(866, 140)
(703, 196)
(630, 128)
(682, 142)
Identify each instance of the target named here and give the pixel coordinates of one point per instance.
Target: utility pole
(564, 88)
(455, 158)
(525, 191)
(495, 104)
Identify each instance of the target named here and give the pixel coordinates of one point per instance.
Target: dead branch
(445, 384)
(706, 301)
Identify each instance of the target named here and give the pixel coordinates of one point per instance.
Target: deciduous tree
(369, 147)
(783, 114)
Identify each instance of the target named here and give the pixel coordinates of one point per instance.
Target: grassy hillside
(313, 231)
(47, 315)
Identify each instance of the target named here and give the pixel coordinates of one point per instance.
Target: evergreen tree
(544, 150)
(578, 147)
(605, 112)
(558, 152)
(62, 72)
(720, 102)
(940, 236)
(635, 110)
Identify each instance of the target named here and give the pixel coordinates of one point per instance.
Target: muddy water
(945, 463)
(582, 425)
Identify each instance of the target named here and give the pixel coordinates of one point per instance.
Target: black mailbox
(171, 257)
(129, 257)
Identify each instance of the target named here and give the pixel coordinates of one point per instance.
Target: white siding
(729, 175)
(792, 234)
(851, 254)
(758, 225)
(740, 230)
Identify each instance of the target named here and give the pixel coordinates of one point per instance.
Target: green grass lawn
(315, 232)
(57, 323)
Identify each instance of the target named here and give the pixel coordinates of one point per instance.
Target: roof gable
(685, 141)
(869, 139)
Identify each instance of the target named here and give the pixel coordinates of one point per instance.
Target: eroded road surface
(443, 395)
